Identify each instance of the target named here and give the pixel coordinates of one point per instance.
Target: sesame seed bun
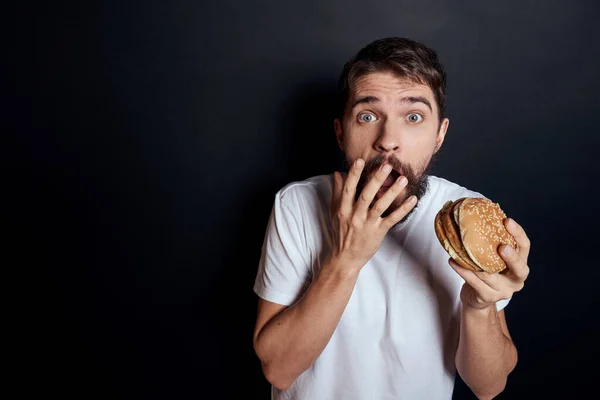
(448, 234)
(471, 230)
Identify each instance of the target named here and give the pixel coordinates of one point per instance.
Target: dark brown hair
(401, 56)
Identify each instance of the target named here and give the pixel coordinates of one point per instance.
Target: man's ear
(339, 132)
(441, 134)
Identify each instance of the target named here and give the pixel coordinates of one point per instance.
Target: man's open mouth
(389, 181)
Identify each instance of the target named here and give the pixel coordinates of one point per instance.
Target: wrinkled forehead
(387, 81)
(389, 85)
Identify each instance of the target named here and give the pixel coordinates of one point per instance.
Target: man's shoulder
(306, 185)
(315, 189)
(444, 189)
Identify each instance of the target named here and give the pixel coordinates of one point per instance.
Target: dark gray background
(150, 138)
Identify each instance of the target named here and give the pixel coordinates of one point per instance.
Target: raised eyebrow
(416, 99)
(404, 100)
(365, 100)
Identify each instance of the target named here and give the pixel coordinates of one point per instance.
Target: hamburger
(471, 229)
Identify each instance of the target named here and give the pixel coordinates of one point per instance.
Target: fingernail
(387, 168)
(511, 223)
(507, 250)
(402, 180)
(413, 199)
(359, 162)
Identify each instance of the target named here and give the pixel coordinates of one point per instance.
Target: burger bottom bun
(443, 238)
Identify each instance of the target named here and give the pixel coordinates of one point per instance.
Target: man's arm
(289, 340)
(486, 353)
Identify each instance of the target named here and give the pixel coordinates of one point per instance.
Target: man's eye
(366, 117)
(414, 118)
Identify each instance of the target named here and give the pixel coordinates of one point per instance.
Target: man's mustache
(373, 165)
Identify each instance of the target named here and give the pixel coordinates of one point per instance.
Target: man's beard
(417, 185)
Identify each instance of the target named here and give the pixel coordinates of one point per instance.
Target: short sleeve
(500, 304)
(284, 269)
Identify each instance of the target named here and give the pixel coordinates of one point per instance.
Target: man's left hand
(482, 289)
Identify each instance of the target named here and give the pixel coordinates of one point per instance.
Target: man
(357, 300)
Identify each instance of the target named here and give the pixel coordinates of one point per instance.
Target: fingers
(492, 280)
(400, 212)
(517, 266)
(517, 231)
(371, 188)
(349, 187)
(496, 281)
(386, 200)
(484, 291)
(336, 194)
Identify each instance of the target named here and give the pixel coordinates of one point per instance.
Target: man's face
(395, 121)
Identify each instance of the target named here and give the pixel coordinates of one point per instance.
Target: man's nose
(388, 140)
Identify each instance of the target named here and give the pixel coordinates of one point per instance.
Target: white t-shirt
(398, 334)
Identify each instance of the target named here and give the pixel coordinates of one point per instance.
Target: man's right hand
(357, 229)
(288, 340)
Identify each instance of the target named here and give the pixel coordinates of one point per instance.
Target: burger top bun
(481, 224)
(471, 229)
